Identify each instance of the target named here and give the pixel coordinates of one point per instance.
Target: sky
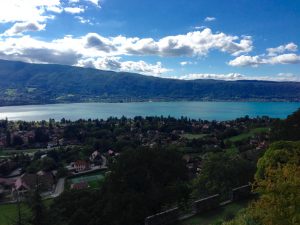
(182, 39)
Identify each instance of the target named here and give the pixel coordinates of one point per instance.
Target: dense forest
(24, 83)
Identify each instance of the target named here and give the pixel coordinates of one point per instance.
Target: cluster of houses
(95, 162)
(10, 188)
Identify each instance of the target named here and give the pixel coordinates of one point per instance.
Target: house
(29, 181)
(80, 186)
(96, 158)
(81, 165)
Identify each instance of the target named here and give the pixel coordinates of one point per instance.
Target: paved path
(60, 186)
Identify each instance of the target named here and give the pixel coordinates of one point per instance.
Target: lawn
(249, 134)
(212, 217)
(193, 136)
(94, 180)
(8, 212)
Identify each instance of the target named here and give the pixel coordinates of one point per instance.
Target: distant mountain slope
(24, 83)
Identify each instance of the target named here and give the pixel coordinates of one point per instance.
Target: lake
(196, 110)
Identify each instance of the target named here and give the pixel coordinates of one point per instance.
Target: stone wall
(206, 204)
(199, 206)
(167, 217)
(241, 192)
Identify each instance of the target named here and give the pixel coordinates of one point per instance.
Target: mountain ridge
(26, 83)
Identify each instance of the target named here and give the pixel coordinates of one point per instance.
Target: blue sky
(232, 39)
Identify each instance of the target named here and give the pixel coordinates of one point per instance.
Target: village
(54, 156)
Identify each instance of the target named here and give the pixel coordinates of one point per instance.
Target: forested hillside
(24, 83)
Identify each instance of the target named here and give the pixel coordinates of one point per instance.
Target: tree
(8, 138)
(288, 129)
(279, 201)
(38, 210)
(221, 172)
(142, 183)
(277, 181)
(17, 140)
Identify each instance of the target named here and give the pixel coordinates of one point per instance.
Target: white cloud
(199, 27)
(12, 11)
(229, 76)
(245, 60)
(20, 28)
(84, 20)
(95, 2)
(255, 61)
(197, 43)
(278, 55)
(26, 11)
(184, 63)
(290, 47)
(70, 50)
(238, 76)
(114, 63)
(73, 10)
(209, 19)
(290, 58)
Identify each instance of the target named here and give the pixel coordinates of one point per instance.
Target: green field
(94, 180)
(193, 136)
(212, 217)
(8, 212)
(249, 134)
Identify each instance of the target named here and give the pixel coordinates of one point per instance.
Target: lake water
(196, 110)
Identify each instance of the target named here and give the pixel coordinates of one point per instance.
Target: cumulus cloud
(95, 2)
(100, 43)
(12, 11)
(195, 76)
(209, 19)
(26, 11)
(245, 60)
(196, 43)
(255, 61)
(184, 63)
(278, 55)
(115, 63)
(83, 20)
(73, 10)
(238, 76)
(20, 28)
(290, 47)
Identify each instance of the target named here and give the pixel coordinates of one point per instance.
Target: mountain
(25, 83)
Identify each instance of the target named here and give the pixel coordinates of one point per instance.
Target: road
(59, 187)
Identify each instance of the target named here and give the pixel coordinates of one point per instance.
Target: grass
(249, 134)
(94, 180)
(193, 136)
(212, 217)
(8, 152)
(8, 212)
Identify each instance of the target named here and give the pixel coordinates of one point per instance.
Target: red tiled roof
(80, 186)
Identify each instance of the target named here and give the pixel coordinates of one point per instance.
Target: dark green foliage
(221, 172)
(288, 129)
(279, 153)
(38, 210)
(141, 183)
(58, 83)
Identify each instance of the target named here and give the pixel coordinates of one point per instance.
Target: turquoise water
(196, 110)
